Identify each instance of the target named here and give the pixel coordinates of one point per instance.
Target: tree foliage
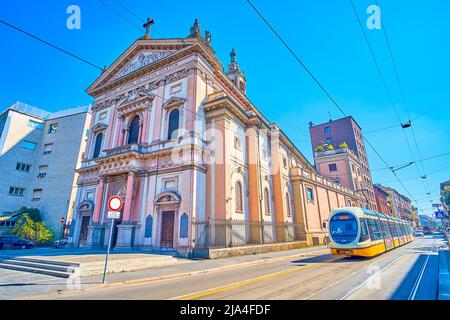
(32, 230)
(447, 197)
(33, 213)
(343, 145)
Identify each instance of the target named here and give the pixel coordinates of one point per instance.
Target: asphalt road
(408, 272)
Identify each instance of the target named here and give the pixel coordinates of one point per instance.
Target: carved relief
(144, 59)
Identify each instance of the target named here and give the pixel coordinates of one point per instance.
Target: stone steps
(45, 267)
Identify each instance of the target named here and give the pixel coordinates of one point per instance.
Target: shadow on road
(427, 289)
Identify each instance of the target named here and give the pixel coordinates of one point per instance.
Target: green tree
(33, 213)
(36, 231)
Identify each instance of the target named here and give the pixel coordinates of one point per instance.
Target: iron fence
(219, 233)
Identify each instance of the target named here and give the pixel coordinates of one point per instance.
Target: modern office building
(332, 142)
(39, 152)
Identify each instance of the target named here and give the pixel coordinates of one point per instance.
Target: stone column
(99, 200)
(95, 230)
(128, 198)
(125, 229)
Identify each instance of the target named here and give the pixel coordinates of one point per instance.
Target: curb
(444, 276)
(179, 275)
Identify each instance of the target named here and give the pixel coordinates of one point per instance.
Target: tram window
(374, 230)
(364, 232)
(343, 228)
(386, 231)
(392, 229)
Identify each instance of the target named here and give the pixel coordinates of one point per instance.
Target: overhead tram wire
(402, 92)
(323, 89)
(51, 45)
(120, 15)
(424, 159)
(374, 59)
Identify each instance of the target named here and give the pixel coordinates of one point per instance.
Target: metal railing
(218, 233)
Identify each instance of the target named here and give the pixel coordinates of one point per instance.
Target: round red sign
(115, 203)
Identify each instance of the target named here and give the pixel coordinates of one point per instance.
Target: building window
(238, 197)
(48, 148)
(28, 145)
(329, 140)
(133, 133)
(174, 119)
(23, 167)
(98, 145)
(264, 152)
(148, 226)
(337, 181)
(327, 129)
(310, 194)
(16, 191)
(332, 167)
(288, 205)
(284, 162)
(52, 128)
(34, 124)
(184, 225)
(42, 171)
(37, 193)
(266, 201)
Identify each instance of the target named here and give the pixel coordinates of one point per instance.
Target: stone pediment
(99, 127)
(141, 54)
(173, 102)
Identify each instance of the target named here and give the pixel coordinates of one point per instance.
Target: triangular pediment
(139, 55)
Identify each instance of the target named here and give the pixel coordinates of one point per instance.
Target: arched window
(238, 197)
(288, 205)
(98, 145)
(133, 134)
(174, 119)
(266, 201)
(148, 226)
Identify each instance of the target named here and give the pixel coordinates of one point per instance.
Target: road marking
(247, 282)
(413, 293)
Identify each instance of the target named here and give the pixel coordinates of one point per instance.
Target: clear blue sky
(323, 33)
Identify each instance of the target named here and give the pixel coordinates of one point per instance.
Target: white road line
(413, 292)
(354, 289)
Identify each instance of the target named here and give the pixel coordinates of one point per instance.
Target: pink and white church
(177, 138)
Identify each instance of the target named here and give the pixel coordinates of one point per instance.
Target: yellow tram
(360, 232)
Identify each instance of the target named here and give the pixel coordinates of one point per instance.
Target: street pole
(109, 248)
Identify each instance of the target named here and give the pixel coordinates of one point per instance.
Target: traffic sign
(115, 203)
(113, 214)
(440, 214)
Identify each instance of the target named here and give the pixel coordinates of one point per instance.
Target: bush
(343, 145)
(330, 147)
(319, 149)
(32, 230)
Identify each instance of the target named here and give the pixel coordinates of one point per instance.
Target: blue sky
(325, 35)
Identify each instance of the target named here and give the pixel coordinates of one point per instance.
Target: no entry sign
(115, 203)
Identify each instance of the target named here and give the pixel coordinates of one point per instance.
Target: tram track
(417, 281)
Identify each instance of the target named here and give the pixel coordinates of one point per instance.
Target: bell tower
(235, 74)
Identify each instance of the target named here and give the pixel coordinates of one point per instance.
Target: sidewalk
(184, 268)
(444, 274)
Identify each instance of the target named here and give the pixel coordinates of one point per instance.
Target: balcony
(334, 152)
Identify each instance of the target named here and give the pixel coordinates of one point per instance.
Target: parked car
(15, 242)
(418, 233)
(447, 232)
(61, 243)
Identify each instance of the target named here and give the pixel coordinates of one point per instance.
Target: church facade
(177, 138)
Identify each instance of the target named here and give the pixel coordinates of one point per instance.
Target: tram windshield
(343, 228)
